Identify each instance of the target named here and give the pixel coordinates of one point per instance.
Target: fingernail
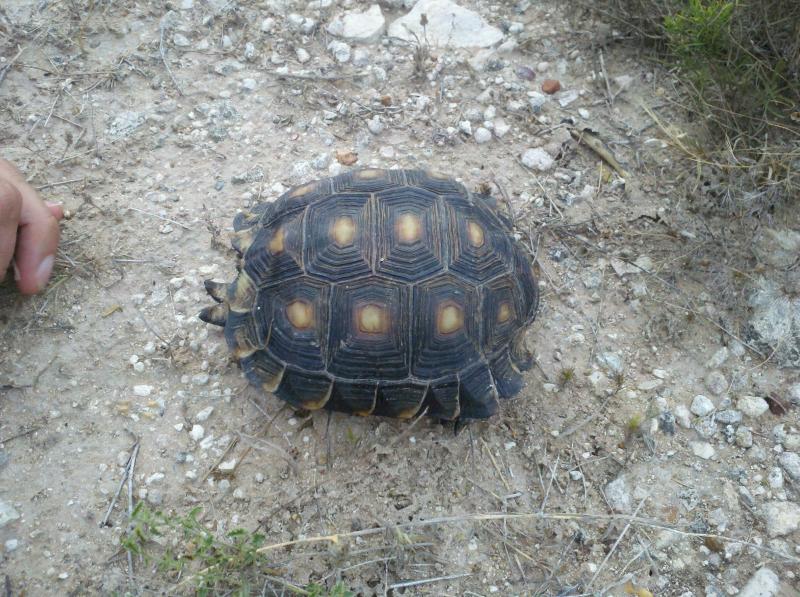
(16, 271)
(55, 203)
(44, 270)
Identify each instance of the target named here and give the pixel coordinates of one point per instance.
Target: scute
(369, 334)
(380, 292)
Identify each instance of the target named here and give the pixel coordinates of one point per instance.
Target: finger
(37, 241)
(10, 206)
(56, 209)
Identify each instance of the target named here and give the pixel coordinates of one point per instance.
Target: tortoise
(380, 292)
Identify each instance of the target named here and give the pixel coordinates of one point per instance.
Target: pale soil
(145, 216)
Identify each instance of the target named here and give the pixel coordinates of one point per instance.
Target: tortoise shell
(383, 292)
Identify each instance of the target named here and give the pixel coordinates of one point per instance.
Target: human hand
(28, 231)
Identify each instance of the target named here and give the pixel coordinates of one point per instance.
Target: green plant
(188, 554)
(727, 70)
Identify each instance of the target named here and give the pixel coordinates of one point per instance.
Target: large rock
(764, 583)
(448, 25)
(7, 513)
(360, 27)
(781, 518)
(774, 325)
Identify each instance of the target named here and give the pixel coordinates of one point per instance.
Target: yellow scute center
(504, 312)
(475, 234)
(343, 231)
(449, 318)
(409, 228)
(276, 243)
(372, 319)
(300, 314)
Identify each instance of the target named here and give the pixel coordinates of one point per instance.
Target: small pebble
(197, 432)
(752, 406)
(744, 437)
(701, 405)
(11, 544)
(618, 496)
(716, 383)
(537, 159)
(142, 390)
(683, 416)
(204, 414)
(482, 135)
(551, 86)
(790, 462)
(703, 450)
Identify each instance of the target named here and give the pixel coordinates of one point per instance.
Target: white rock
(249, 84)
(752, 406)
(204, 414)
(181, 41)
(716, 383)
(782, 518)
(359, 27)
(701, 406)
(361, 57)
(703, 450)
(142, 390)
(187, 4)
(618, 496)
(465, 126)
(537, 159)
(718, 358)
(375, 125)
(683, 416)
(775, 478)
(302, 55)
(197, 432)
(155, 478)
(12, 544)
(482, 135)
(790, 462)
(7, 513)
(339, 50)
(501, 127)
(764, 583)
(267, 25)
(449, 25)
(794, 393)
(228, 465)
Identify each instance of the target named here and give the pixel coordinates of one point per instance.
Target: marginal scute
(216, 290)
(242, 240)
(215, 314)
(242, 294)
(380, 292)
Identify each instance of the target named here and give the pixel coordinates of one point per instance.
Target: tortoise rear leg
(478, 394)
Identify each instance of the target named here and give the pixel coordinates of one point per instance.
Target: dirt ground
(156, 123)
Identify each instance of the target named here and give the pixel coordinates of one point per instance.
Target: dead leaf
(346, 158)
(632, 589)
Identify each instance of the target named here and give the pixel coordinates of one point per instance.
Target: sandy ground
(155, 130)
